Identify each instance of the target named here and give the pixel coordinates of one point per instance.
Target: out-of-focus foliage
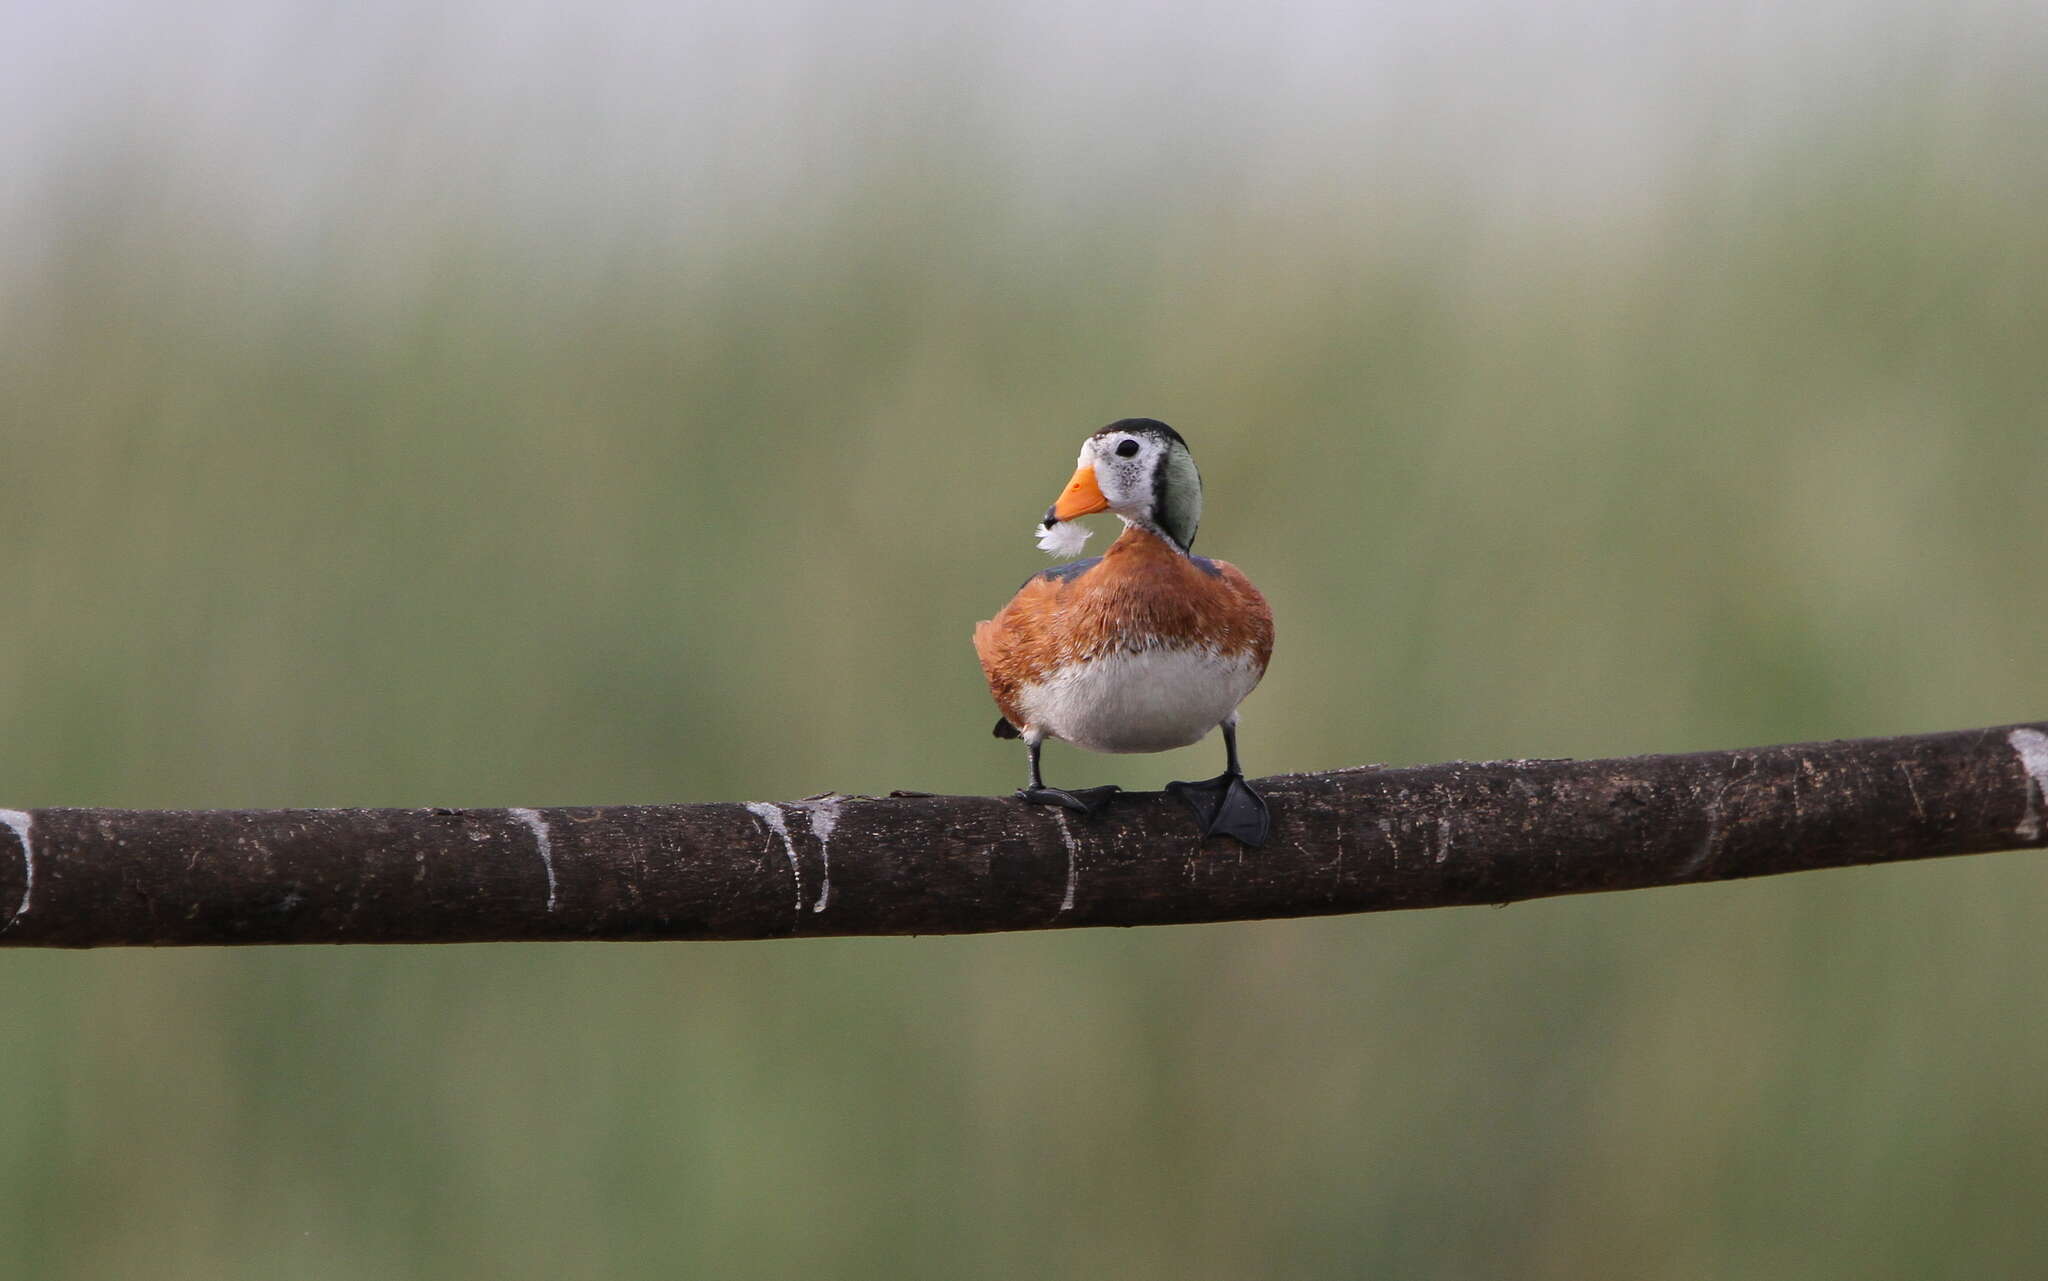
(450, 405)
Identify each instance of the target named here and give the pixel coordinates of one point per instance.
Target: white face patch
(1063, 538)
(1125, 481)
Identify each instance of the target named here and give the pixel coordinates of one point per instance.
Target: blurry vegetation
(452, 484)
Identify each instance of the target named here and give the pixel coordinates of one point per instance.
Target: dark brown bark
(1352, 840)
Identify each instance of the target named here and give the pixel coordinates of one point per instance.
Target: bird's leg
(1226, 805)
(1085, 800)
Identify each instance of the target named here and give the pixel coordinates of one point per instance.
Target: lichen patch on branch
(544, 842)
(2032, 746)
(20, 822)
(824, 812)
(772, 816)
(1073, 857)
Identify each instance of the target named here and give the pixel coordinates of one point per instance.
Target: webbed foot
(1082, 800)
(1227, 806)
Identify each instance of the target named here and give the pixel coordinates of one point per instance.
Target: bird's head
(1138, 468)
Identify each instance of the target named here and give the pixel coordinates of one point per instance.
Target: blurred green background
(499, 405)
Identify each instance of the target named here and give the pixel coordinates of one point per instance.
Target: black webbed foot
(1082, 800)
(1227, 806)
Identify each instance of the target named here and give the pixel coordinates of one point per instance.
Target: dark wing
(1062, 573)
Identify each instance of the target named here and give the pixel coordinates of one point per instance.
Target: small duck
(1143, 648)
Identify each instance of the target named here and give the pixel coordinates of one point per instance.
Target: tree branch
(1351, 840)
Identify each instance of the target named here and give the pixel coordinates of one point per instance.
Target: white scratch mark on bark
(1073, 857)
(544, 841)
(19, 821)
(772, 816)
(1912, 790)
(1710, 844)
(824, 814)
(1443, 838)
(1698, 862)
(2032, 746)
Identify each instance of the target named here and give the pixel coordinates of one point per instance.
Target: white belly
(1144, 702)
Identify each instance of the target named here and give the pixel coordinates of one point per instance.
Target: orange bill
(1081, 496)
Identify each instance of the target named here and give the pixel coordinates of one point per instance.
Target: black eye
(1127, 449)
